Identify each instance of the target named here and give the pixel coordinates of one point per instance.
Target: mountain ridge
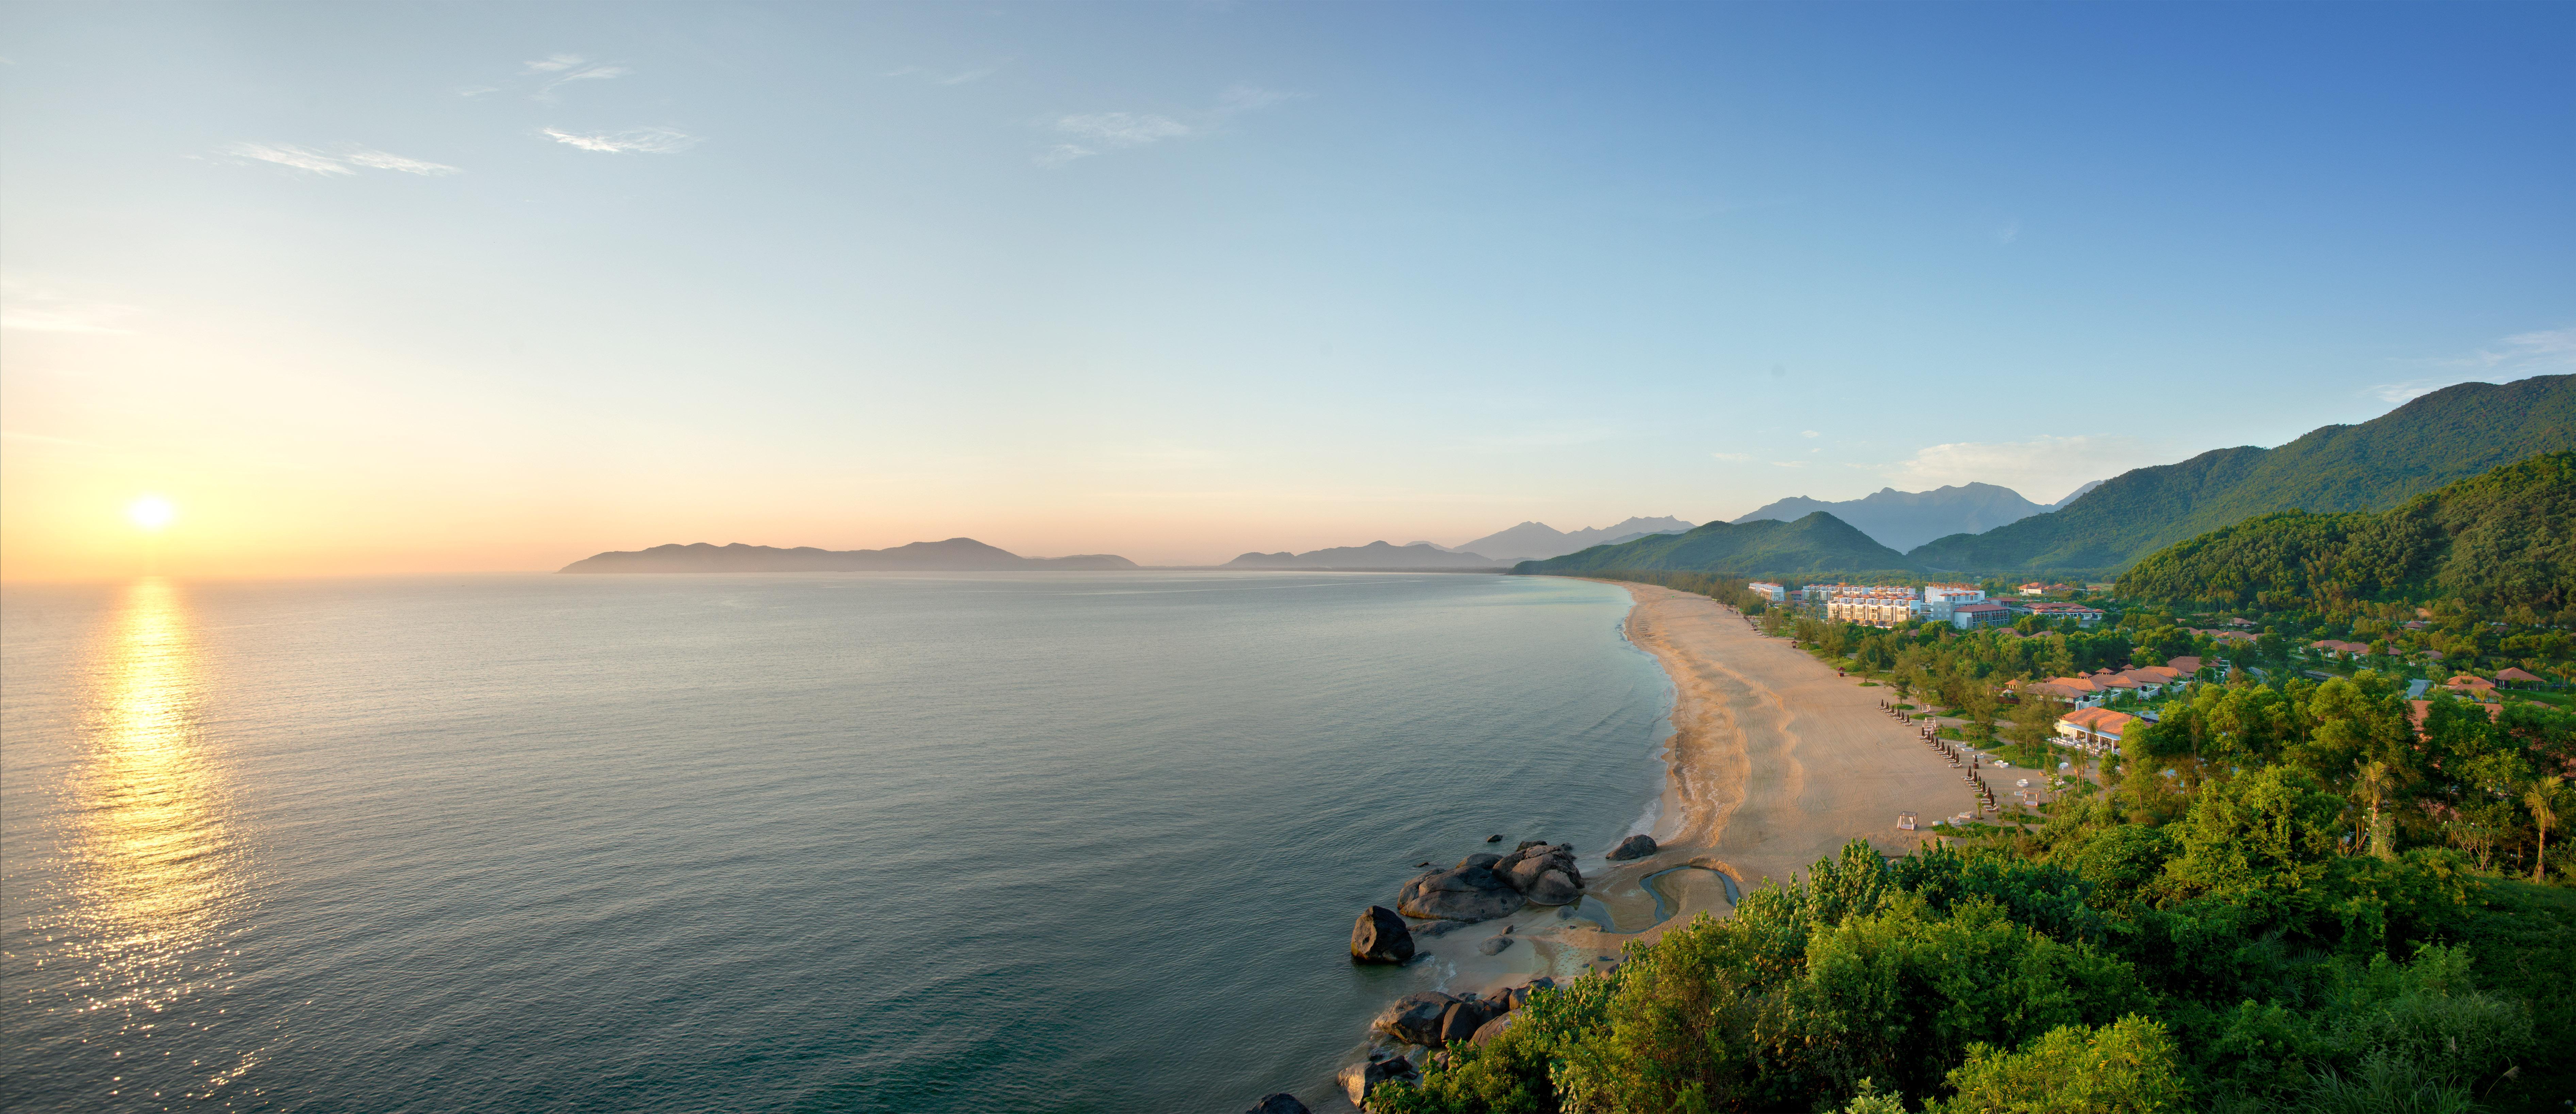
(2446, 435)
(1534, 540)
(1901, 520)
(1374, 555)
(1813, 544)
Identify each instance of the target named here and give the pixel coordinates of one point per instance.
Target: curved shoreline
(1774, 761)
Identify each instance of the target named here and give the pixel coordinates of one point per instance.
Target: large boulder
(1281, 1103)
(1359, 1079)
(1471, 891)
(1554, 888)
(1523, 866)
(1414, 1018)
(1461, 1021)
(1494, 945)
(1379, 936)
(1493, 1028)
(1633, 847)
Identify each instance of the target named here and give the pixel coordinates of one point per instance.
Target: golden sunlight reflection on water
(156, 866)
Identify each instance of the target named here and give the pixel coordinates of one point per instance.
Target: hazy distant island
(1375, 556)
(953, 555)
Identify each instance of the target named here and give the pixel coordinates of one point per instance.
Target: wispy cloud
(380, 160)
(1788, 464)
(586, 73)
(297, 157)
(1089, 133)
(1809, 433)
(554, 63)
(2008, 231)
(35, 308)
(649, 141)
(345, 163)
(2519, 356)
(2042, 464)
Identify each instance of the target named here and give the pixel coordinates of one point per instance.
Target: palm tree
(2538, 798)
(2375, 783)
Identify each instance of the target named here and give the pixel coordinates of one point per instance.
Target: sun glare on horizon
(151, 513)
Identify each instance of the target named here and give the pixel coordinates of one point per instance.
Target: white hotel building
(1887, 605)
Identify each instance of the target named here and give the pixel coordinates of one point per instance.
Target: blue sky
(389, 287)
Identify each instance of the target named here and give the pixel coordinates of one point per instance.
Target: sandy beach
(1774, 762)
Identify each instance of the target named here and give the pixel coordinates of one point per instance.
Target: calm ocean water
(1059, 842)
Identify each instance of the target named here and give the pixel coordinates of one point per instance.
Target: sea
(829, 842)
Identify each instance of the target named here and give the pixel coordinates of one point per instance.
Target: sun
(151, 512)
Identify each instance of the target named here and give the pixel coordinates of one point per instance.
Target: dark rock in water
(1554, 888)
(1494, 945)
(1493, 839)
(1461, 1021)
(1423, 863)
(1480, 859)
(1469, 893)
(1492, 1029)
(1414, 1018)
(1526, 844)
(1522, 867)
(1358, 1079)
(1281, 1103)
(1633, 847)
(1379, 936)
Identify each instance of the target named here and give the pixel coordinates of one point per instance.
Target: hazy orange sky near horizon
(370, 289)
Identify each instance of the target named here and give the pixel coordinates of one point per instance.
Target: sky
(388, 288)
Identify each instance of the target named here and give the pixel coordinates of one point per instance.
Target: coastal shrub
(2078, 971)
(2127, 1067)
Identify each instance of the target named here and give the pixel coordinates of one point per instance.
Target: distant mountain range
(1814, 544)
(1905, 519)
(953, 555)
(1374, 555)
(1532, 540)
(2449, 434)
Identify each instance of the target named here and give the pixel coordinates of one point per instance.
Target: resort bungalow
(2512, 676)
(2094, 729)
(2470, 685)
(2083, 616)
(1971, 616)
(2333, 648)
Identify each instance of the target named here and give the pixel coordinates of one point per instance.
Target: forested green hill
(2496, 542)
(1818, 543)
(2454, 432)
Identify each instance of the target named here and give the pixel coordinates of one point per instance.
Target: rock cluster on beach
(1483, 887)
(1429, 1017)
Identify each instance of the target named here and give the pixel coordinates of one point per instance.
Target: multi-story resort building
(1882, 607)
(1767, 590)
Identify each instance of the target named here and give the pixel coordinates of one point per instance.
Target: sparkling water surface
(898, 842)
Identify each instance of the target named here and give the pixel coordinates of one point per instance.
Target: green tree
(2542, 799)
(2127, 1067)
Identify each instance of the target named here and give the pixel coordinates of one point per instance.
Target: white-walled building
(1773, 592)
(1877, 609)
(1940, 599)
